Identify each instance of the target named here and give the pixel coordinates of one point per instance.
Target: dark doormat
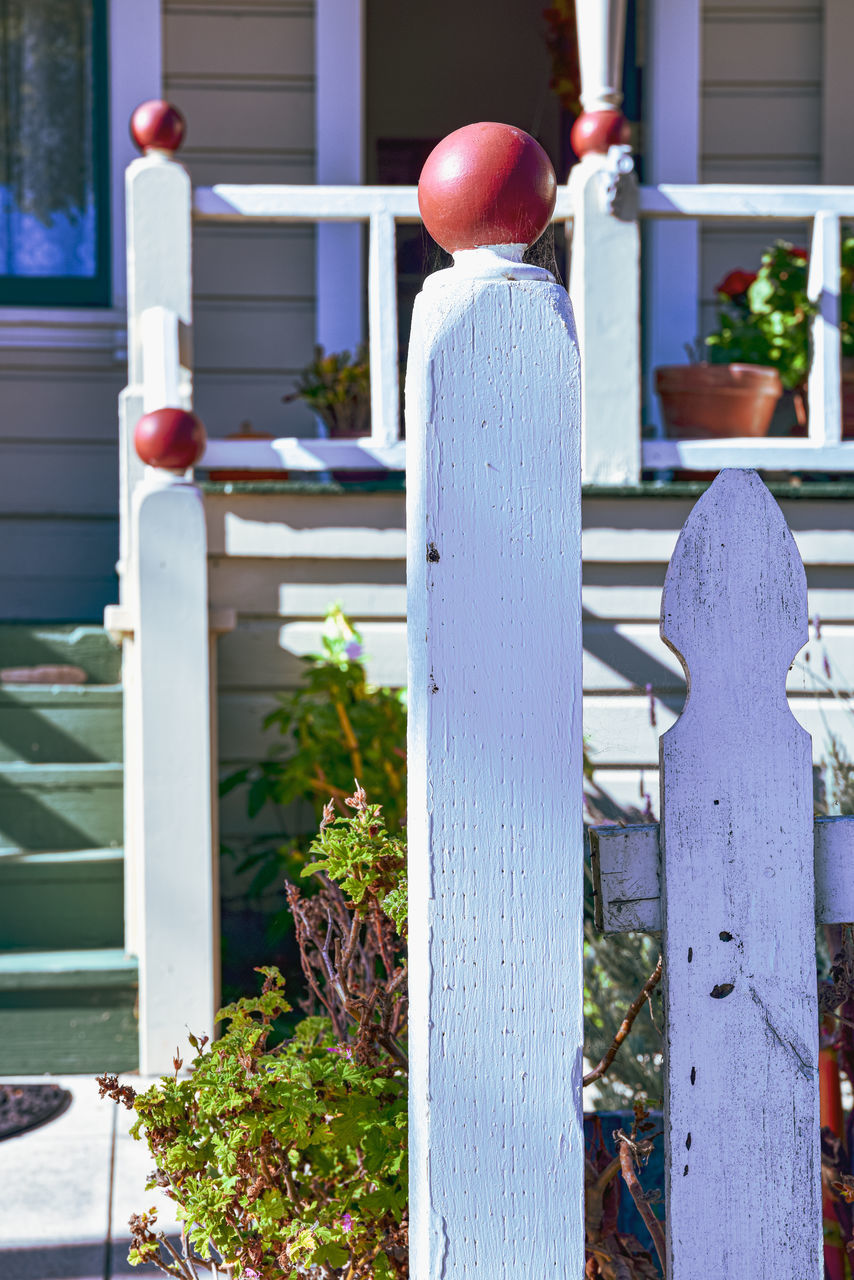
(27, 1106)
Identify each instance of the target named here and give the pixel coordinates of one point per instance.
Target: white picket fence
(495, 784)
(497, 1151)
(735, 880)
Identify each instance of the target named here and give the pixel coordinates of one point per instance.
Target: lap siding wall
(281, 560)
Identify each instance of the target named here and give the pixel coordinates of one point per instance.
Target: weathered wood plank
(738, 903)
(626, 878)
(627, 875)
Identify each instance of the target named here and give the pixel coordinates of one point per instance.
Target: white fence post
(604, 283)
(493, 424)
(169, 691)
(158, 199)
(171, 882)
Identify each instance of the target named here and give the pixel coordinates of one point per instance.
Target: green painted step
(61, 900)
(60, 724)
(35, 645)
(68, 1011)
(60, 806)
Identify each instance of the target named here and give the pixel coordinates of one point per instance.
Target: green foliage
(335, 716)
(368, 863)
(293, 1155)
(338, 388)
(767, 323)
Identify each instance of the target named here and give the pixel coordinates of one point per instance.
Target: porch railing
(824, 208)
(613, 454)
(603, 207)
(381, 208)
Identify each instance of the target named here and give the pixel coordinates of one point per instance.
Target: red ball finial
(157, 126)
(599, 130)
(172, 439)
(486, 184)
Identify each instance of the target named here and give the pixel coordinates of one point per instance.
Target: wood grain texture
(741, 1092)
(496, 1147)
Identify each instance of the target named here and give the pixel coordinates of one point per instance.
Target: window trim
(136, 73)
(82, 291)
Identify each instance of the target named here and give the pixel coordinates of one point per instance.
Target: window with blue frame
(54, 153)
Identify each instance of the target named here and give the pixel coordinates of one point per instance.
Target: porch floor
(68, 1189)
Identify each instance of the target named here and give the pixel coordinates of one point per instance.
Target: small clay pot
(848, 398)
(716, 401)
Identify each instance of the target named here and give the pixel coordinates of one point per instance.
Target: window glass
(54, 245)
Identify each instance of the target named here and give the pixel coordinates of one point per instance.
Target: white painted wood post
(158, 199)
(171, 867)
(743, 1184)
(169, 692)
(495, 781)
(604, 283)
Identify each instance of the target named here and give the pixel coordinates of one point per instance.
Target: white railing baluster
(382, 328)
(824, 387)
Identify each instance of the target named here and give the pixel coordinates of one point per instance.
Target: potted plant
(337, 387)
(759, 351)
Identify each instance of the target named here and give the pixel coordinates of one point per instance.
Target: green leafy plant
(335, 716)
(289, 1156)
(338, 388)
(765, 316)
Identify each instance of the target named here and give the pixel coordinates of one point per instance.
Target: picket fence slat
(741, 1026)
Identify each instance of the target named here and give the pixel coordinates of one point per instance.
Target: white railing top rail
(230, 202)
(381, 208)
(742, 200)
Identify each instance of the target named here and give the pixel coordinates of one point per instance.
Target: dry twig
(626, 1025)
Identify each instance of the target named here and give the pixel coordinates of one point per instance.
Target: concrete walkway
(68, 1189)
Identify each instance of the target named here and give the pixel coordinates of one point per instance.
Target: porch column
(604, 276)
(340, 130)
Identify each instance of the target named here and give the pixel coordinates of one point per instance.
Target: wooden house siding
(282, 560)
(760, 119)
(243, 74)
(243, 71)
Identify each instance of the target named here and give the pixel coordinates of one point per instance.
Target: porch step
(64, 900)
(45, 807)
(60, 724)
(43, 644)
(68, 1011)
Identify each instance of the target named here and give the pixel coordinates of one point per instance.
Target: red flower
(799, 253)
(736, 283)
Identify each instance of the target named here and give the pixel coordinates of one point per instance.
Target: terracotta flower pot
(714, 401)
(848, 398)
